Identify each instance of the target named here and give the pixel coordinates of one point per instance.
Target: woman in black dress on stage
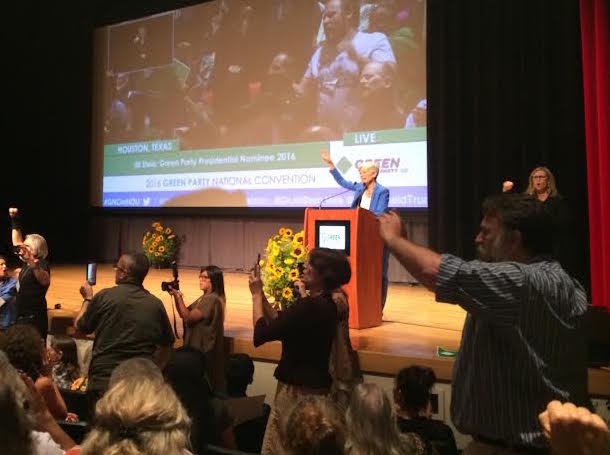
(34, 277)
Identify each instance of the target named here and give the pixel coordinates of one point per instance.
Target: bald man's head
(375, 78)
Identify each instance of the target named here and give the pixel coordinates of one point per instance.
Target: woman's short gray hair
(370, 165)
(40, 250)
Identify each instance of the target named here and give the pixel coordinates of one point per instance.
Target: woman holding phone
(34, 277)
(204, 323)
(306, 330)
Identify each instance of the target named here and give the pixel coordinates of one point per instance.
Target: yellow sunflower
(289, 261)
(151, 249)
(276, 250)
(299, 238)
(288, 232)
(298, 252)
(261, 262)
(161, 249)
(160, 238)
(282, 231)
(278, 272)
(293, 275)
(287, 293)
(155, 224)
(171, 236)
(159, 228)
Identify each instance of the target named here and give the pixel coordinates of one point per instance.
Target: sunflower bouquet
(160, 244)
(280, 267)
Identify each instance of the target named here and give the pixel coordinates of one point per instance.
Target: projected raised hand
(326, 158)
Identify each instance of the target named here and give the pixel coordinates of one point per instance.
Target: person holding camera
(204, 323)
(34, 277)
(306, 329)
(128, 321)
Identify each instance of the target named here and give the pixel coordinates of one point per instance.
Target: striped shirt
(522, 345)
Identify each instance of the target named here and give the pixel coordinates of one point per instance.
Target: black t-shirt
(435, 433)
(128, 322)
(306, 330)
(31, 301)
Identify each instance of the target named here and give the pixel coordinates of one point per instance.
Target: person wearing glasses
(542, 186)
(204, 323)
(128, 321)
(34, 277)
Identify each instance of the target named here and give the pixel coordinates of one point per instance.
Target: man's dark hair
(239, 371)
(523, 213)
(137, 265)
(414, 384)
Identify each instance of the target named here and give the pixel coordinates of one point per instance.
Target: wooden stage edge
(413, 327)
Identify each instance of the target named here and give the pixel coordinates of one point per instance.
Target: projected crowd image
(238, 73)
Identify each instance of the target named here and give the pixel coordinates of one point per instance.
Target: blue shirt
(379, 199)
(8, 308)
(522, 345)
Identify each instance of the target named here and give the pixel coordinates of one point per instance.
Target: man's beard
(497, 251)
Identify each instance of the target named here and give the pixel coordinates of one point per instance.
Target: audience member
(303, 369)
(414, 408)
(314, 427)
(25, 350)
(344, 364)
(34, 277)
(204, 323)
(138, 415)
(128, 322)
(240, 374)
(371, 427)
(522, 341)
(65, 369)
(211, 424)
(8, 290)
(380, 111)
(30, 429)
(135, 367)
(418, 115)
(249, 434)
(334, 68)
(574, 431)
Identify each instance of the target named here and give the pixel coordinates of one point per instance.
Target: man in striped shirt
(522, 343)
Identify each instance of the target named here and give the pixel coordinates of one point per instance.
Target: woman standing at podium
(370, 195)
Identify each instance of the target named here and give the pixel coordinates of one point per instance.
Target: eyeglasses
(117, 267)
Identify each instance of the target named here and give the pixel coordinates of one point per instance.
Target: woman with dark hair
(65, 369)
(204, 323)
(26, 351)
(412, 400)
(306, 330)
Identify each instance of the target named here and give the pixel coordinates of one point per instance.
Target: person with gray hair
(34, 277)
(369, 195)
(372, 428)
(128, 322)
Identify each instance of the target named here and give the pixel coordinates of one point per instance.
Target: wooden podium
(366, 251)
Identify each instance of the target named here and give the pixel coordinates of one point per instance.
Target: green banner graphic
(385, 136)
(145, 158)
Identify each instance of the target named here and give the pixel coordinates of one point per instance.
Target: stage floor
(413, 327)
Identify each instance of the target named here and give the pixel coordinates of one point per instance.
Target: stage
(413, 327)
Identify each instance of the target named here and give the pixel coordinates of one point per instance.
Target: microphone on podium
(332, 196)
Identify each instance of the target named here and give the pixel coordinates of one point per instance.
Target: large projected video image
(230, 103)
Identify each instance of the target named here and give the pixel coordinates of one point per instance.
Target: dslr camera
(175, 283)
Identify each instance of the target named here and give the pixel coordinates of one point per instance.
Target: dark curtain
(505, 95)
(596, 72)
